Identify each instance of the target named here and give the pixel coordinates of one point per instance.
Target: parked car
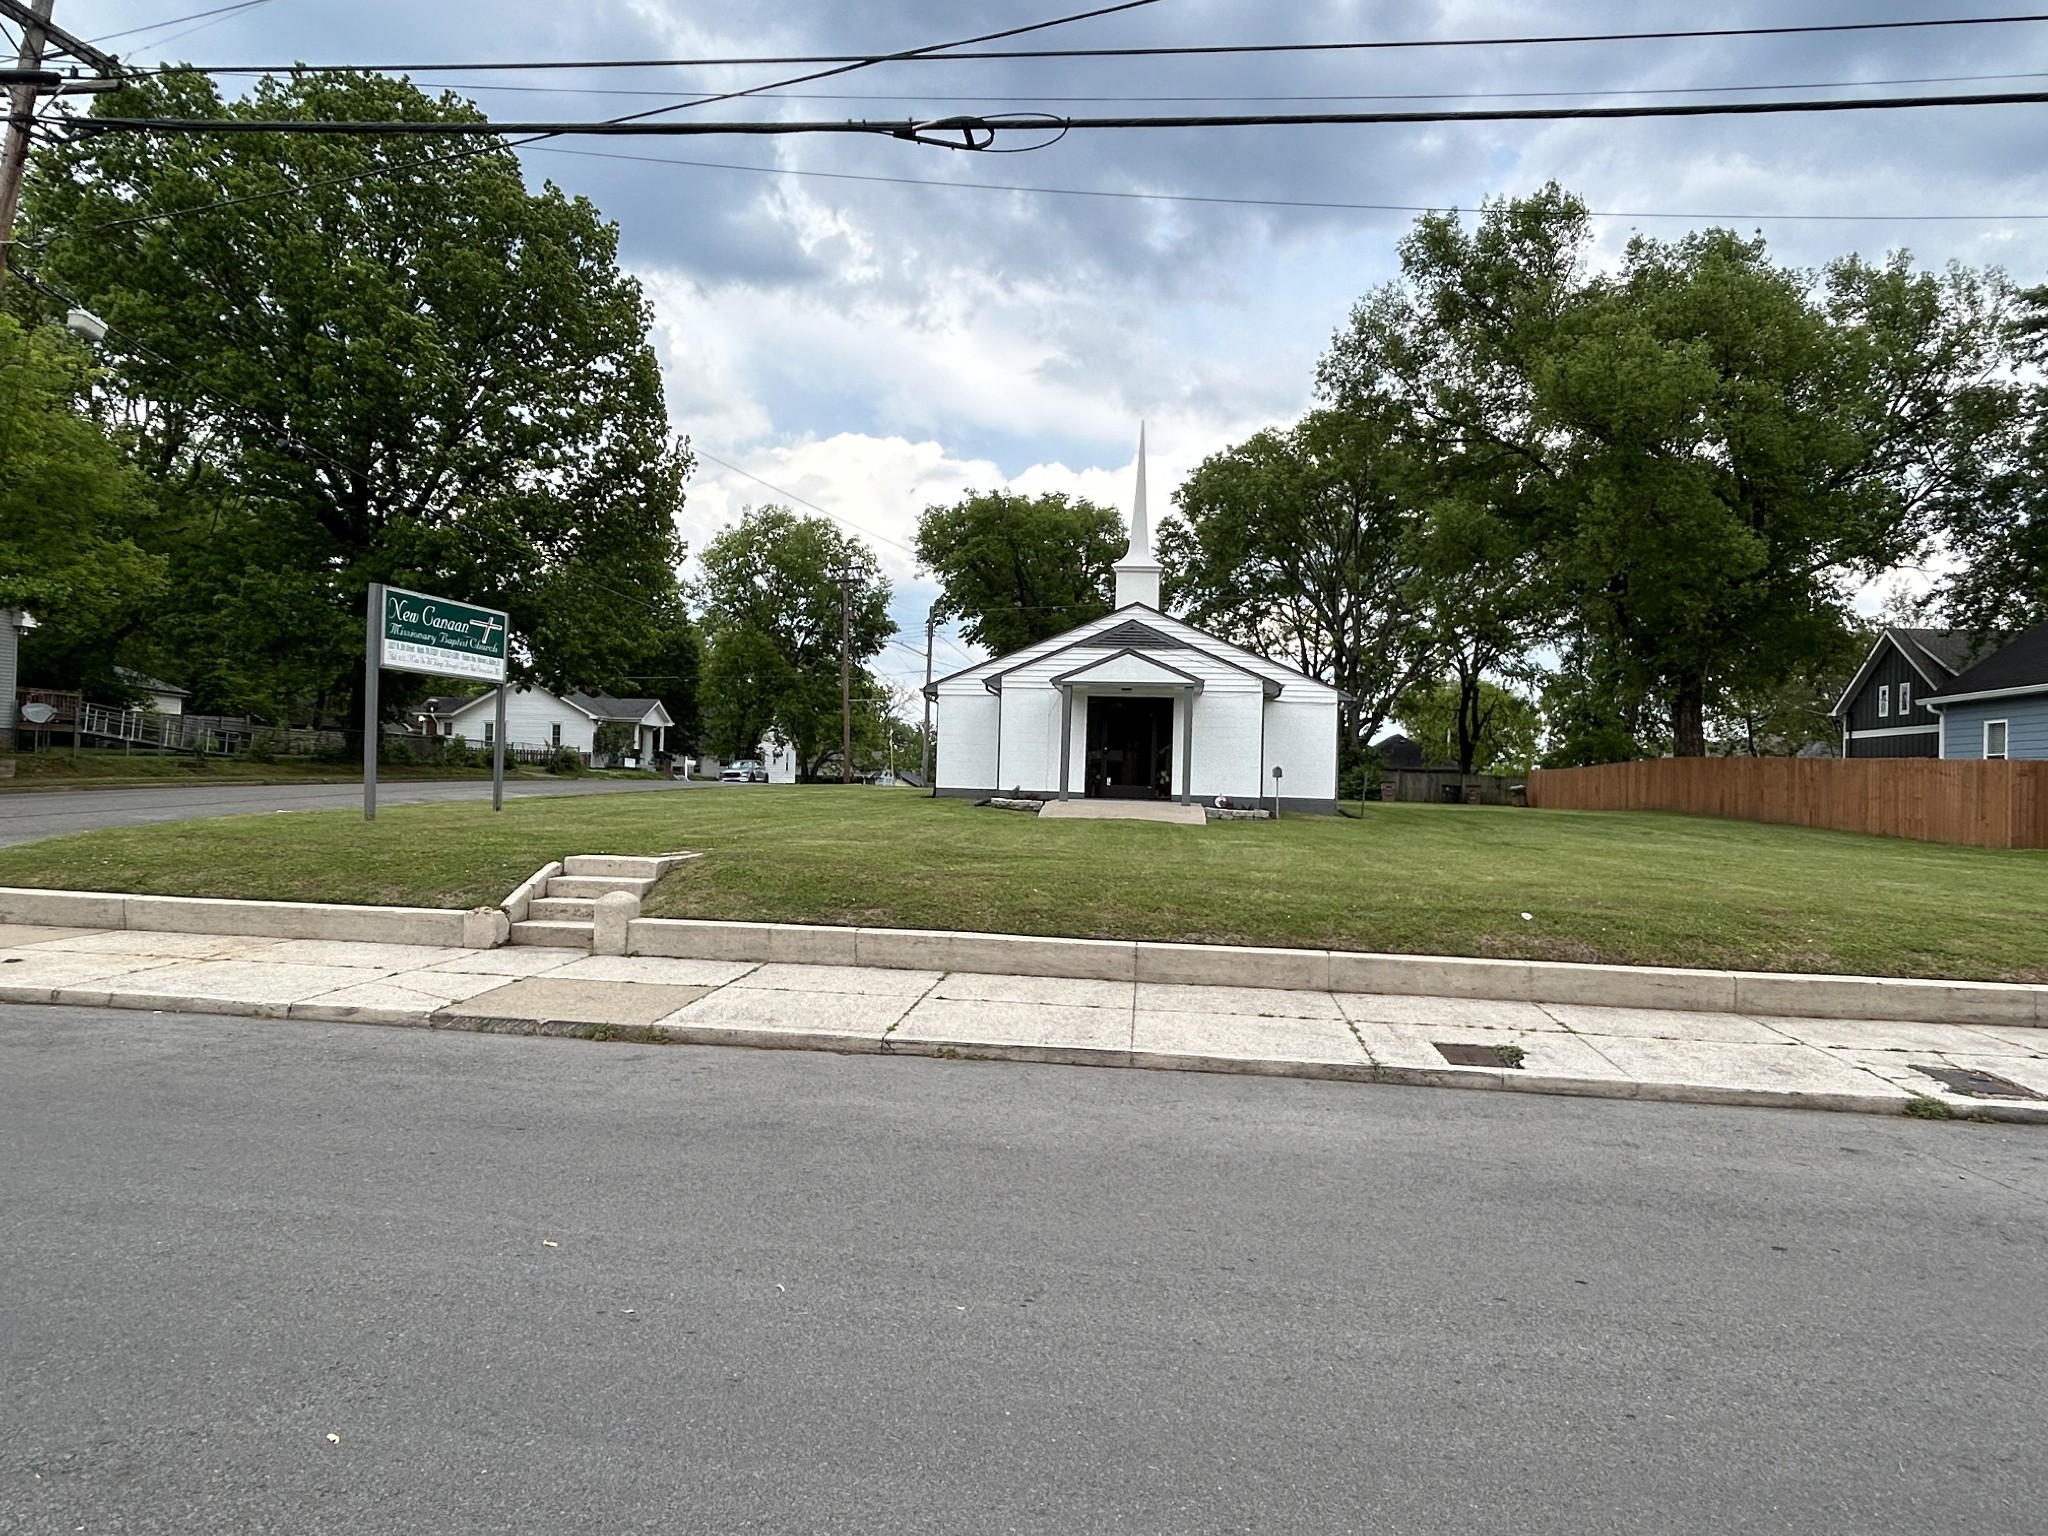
(747, 770)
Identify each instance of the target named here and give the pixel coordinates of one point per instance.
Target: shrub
(566, 761)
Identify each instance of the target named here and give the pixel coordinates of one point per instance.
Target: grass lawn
(1634, 888)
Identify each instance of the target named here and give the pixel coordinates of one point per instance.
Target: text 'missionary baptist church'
(1135, 705)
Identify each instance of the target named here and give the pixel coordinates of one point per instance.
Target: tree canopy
(1019, 569)
(348, 359)
(771, 592)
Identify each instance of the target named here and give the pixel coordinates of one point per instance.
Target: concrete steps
(558, 906)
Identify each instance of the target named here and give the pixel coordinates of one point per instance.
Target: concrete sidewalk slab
(544, 999)
(1736, 1068)
(1470, 1013)
(382, 957)
(1663, 1024)
(1254, 1002)
(1890, 1035)
(23, 935)
(975, 986)
(649, 968)
(511, 962)
(868, 981)
(28, 971)
(1304, 1047)
(246, 984)
(164, 945)
(830, 1020)
(1017, 1031)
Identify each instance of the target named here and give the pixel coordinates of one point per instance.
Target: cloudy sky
(874, 326)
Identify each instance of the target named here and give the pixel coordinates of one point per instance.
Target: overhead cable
(1164, 51)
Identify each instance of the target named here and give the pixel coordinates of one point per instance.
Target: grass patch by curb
(1641, 889)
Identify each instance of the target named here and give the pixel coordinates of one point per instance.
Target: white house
(1137, 705)
(14, 623)
(165, 698)
(535, 718)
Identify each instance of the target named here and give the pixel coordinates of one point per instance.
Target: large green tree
(771, 590)
(1018, 569)
(1299, 543)
(1702, 450)
(70, 507)
(353, 359)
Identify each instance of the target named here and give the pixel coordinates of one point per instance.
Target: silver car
(747, 770)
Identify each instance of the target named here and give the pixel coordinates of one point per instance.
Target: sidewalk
(1867, 1066)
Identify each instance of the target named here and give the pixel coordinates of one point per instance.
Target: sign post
(414, 632)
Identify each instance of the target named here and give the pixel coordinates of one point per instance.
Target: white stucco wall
(1301, 737)
(966, 722)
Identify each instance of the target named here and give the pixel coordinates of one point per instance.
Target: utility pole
(21, 112)
(845, 681)
(924, 760)
(27, 80)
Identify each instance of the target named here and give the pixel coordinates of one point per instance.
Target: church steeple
(1137, 574)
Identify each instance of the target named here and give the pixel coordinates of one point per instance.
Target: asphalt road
(27, 816)
(539, 1285)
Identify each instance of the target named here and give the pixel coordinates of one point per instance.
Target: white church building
(1136, 705)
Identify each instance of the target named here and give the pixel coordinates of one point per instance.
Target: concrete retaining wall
(256, 919)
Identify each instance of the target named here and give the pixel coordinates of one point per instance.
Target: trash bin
(1454, 794)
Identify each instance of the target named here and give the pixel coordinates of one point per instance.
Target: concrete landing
(1124, 810)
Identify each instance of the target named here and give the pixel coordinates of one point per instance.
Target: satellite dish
(38, 714)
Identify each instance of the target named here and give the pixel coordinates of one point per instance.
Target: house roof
(1136, 626)
(1936, 654)
(608, 710)
(2019, 667)
(150, 684)
(450, 703)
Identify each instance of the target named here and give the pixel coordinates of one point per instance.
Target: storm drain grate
(1496, 1056)
(1979, 1085)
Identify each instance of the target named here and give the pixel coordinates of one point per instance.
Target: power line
(843, 522)
(1174, 51)
(924, 131)
(1257, 202)
(1023, 100)
(257, 197)
(179, 21)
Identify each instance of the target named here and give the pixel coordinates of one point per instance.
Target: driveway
(30, 815)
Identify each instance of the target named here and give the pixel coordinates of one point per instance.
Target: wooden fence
(1986, 805)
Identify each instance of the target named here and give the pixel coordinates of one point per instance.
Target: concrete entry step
(1124, 810)
(562, 909)
(590, 887)
(614, 864)
(557, 935)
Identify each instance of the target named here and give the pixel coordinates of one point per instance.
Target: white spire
(1137, 574)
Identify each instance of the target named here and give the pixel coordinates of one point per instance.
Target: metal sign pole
(373, 651)
(498, 756)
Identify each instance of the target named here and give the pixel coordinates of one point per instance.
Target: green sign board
(442, 638)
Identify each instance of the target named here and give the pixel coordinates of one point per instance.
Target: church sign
(427, 634)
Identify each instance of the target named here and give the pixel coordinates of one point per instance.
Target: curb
(453, 1021)
(1766, 993)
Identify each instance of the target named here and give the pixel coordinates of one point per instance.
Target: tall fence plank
(1983, 805)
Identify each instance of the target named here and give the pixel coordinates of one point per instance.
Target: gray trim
(1942, 699)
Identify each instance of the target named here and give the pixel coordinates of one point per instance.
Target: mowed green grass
(1629, 888)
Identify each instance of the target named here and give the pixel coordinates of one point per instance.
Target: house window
(490, 729)
(1905, 699)
(1994, 738)
(558, 733)
(1884, 703)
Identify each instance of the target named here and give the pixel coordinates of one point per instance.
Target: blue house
(1998, 707)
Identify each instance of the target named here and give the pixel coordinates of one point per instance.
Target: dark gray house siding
(1875, 726)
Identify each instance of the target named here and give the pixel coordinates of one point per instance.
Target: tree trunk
(1468, 719)
(1689, 718)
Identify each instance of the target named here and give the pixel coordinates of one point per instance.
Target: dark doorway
(1130, 748)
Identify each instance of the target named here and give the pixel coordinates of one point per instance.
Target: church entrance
(1130, 748)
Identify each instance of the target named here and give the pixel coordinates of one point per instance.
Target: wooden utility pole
(924, 760)
(21, 112)
(845, 681)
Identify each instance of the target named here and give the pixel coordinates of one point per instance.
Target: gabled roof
(2020, 667)
(1936, 654)
(450, 703)
(1176, 633)
(605, 708)
(1162, 673)
(148, 684)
